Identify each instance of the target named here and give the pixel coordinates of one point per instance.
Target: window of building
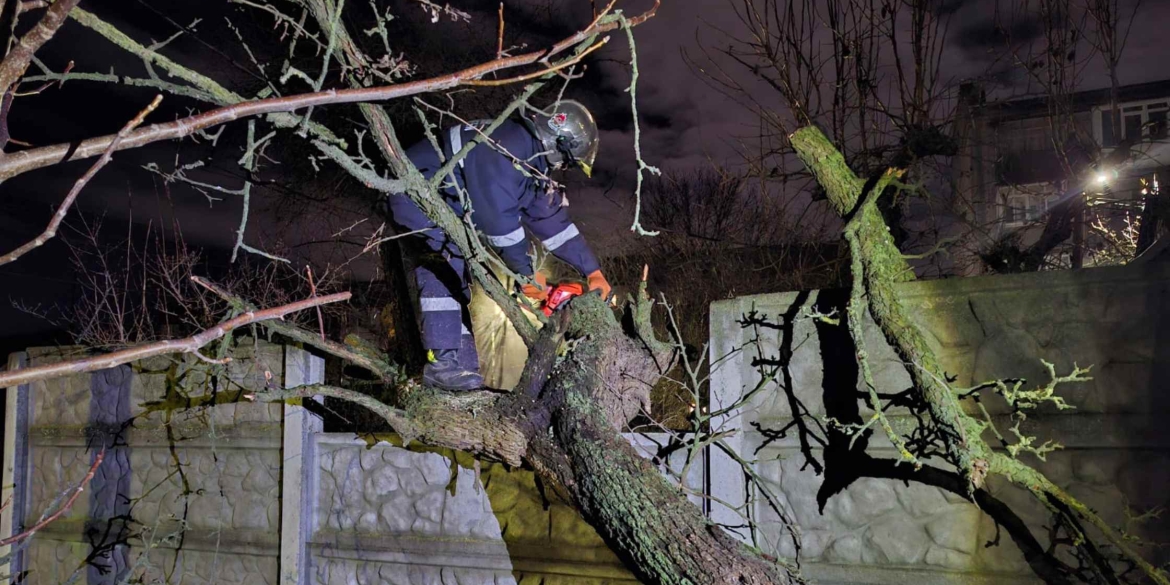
(1021, 204)
(1139, 121)
(1025, 136)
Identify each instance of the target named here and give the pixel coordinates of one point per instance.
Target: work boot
(445, 372)
(468, 356)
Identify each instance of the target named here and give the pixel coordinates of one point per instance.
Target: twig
(97, 460)
(535, 74)
(186, 345)
(376, 240)
(500, 37)
(385, 370)
(51, 229)
(313, 293)
(939, 246)
(642, 166)
(351, 226)
(20, 162)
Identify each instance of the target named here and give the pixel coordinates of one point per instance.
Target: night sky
(685, 124)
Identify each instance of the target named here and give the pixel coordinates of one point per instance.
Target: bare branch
(542, 72)
(97, 460)
(27, 160)
(18, 59)
(385, 370)
(51, 229)
(187, 345)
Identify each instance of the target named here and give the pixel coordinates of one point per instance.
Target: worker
(505, 181)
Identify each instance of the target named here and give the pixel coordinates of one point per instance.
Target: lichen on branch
(878, 265)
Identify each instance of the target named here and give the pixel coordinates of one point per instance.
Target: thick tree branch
(398, 419)
(882, 266)
(190, 344)
(55, 222)
(35, 158)
(18, 59)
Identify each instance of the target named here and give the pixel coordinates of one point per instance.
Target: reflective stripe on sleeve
(456, 143)
(509, 239)
(433, 304)
(559, 240)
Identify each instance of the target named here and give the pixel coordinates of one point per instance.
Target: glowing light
(1102, 178)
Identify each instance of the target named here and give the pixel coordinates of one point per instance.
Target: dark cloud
(985, 39)
(948, 7)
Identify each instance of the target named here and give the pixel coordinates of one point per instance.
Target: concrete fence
(1117, 440)
(257, 493)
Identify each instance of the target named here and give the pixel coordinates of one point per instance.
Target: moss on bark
(882, 266)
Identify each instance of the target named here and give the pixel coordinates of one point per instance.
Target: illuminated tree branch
(51, 230)
(190, 344)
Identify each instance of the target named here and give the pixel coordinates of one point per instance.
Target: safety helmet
(567, 131)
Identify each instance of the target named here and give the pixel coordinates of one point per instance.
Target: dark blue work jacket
(504, 200)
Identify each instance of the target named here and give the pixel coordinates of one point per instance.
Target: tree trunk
(585, 379)
(649, 522)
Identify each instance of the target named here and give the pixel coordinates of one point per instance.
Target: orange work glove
(539, 291)
(597, 282)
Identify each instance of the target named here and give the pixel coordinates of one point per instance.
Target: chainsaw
(560, 294)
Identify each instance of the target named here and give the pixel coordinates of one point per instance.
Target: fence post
(298, 468)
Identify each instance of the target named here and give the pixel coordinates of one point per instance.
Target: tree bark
(585, 379)
(595, 390)
(882, 266)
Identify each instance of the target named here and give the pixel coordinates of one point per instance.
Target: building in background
(1059, 180)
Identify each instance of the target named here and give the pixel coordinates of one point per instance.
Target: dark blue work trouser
(441, 277)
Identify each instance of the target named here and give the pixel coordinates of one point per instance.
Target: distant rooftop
(1035, 106)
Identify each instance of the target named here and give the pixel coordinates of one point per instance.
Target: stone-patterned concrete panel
(53, 562)
(383, 508)
(388, 490)
(333, 571)
(873, 522)
(214, 472)
(880, 531)
(54, 470)
(60, 401)
(201, 567)
(170, 379)
(224, 489)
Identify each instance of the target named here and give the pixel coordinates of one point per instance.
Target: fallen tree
(587, 376)
(589, 370)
